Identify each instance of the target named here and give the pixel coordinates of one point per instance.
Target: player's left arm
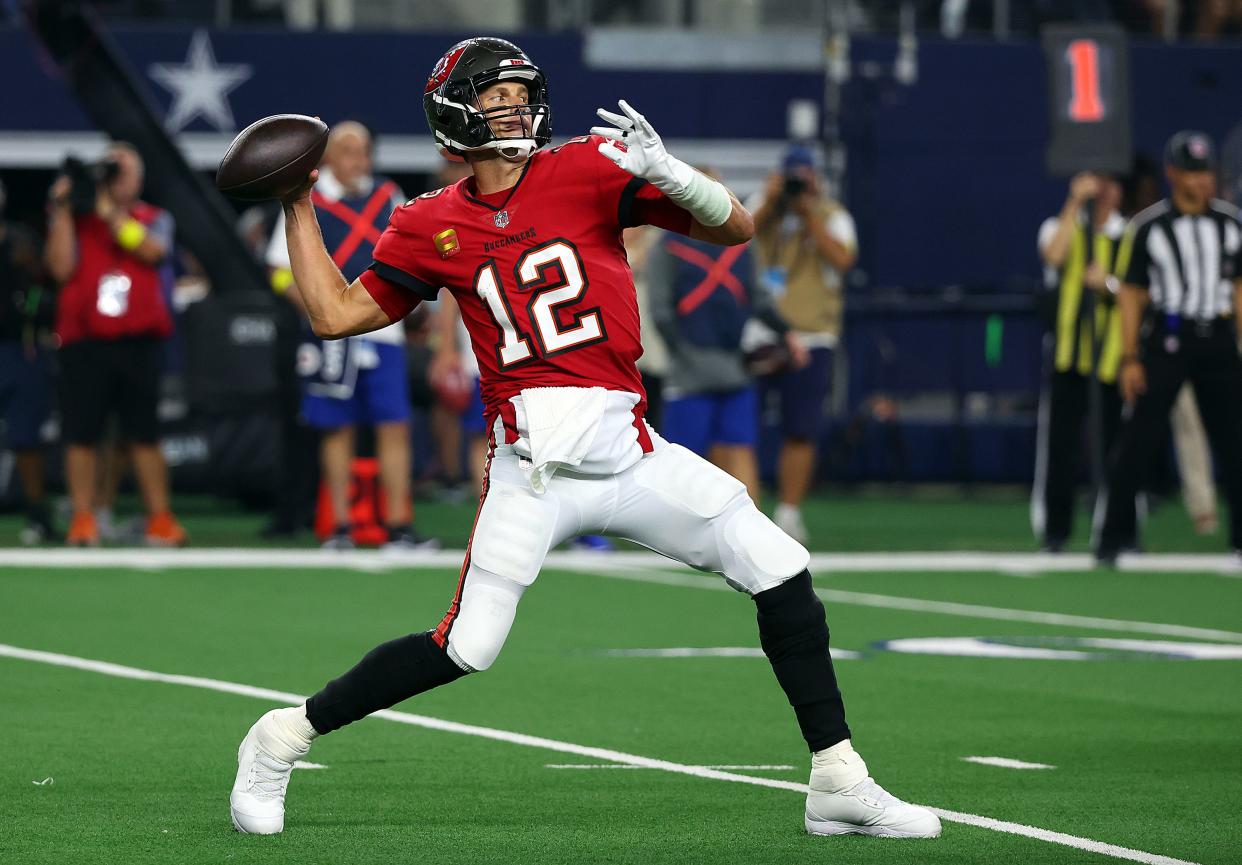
(717, 216)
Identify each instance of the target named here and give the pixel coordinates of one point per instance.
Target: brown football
(271, 157)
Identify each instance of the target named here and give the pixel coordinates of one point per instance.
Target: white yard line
(759, 767)
(714, 652)
(692, 580)
(1007, 763)
(1021, 564)
(604, 754)
(306, 764)
(647, 568)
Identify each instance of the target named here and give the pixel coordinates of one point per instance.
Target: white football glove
(644, 155)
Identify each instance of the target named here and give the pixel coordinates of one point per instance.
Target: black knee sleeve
(388, 674)
(794, 636)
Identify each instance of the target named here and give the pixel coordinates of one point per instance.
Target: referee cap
(1190, 151)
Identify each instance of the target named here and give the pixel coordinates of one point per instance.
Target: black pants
(1207, 356)
(1064, 414)
(101, 376)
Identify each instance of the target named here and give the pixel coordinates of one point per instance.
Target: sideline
(1011, 564)
(654, 568)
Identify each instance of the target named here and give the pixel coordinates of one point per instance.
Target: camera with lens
(86, 178)
(795, 185)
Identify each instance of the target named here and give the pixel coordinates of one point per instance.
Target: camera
(86, 177)
(795, 185)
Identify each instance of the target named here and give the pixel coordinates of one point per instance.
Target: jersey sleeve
(636, 201)
(402, 255)
(396, 301)
(649, 206)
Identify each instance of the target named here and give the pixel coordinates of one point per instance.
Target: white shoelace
(868, 790)
(268, 776)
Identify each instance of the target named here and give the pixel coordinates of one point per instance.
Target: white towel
(560, 424)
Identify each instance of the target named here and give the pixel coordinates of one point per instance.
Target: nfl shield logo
(501, 219)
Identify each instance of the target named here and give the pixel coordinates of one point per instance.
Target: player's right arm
(336, 308)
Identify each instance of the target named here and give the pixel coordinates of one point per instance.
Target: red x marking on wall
(718, 273)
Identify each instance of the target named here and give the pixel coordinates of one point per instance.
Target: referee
(1179, 303)
(1079, 248)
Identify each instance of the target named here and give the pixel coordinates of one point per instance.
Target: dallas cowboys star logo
(200, 87)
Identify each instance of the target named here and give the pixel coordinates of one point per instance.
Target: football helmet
(451, 99)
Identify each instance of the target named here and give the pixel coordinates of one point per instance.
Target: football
(271, 157)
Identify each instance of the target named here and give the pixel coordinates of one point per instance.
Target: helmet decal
(444, 68)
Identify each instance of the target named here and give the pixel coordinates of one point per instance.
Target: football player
(530, 248)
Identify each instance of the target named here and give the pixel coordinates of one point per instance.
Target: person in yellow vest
(805, 243)
(1082, 251)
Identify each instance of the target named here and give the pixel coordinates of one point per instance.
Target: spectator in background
(701, 297)
(27, 313)
(1079, 249)
(362, 379)
(806, 243)
(105, 246)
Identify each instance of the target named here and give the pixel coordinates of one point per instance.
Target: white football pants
(672, 501)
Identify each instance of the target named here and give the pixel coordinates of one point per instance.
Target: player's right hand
(303, 191)
(1132, 379)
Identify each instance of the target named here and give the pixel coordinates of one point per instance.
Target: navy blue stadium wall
(946, 181)
(946, 177)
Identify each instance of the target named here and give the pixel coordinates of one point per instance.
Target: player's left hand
(644, 154)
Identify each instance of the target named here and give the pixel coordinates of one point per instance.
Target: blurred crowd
(1184, 19)
(732, 336)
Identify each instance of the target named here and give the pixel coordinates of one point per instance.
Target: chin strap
(513, 150)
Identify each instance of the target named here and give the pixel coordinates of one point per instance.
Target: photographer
(104, 247)
(805, 242)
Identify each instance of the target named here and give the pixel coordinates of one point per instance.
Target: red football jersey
(538, 270)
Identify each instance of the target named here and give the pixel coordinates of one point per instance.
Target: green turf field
(1147, 750)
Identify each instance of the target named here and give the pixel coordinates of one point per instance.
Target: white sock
(289, 735)
(837, 768)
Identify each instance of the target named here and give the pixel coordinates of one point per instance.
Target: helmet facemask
(461, 126)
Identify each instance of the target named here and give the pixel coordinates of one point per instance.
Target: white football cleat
(264, 761)
(868, 809)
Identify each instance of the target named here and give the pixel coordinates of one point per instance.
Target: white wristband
(706, 200)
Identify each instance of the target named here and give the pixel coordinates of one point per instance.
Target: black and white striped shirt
(1188, 261)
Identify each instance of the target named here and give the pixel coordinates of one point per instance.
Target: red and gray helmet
(451, 99)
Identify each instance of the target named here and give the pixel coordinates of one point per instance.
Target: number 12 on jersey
(551, 274)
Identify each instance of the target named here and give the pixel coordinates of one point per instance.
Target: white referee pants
(672, 501)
